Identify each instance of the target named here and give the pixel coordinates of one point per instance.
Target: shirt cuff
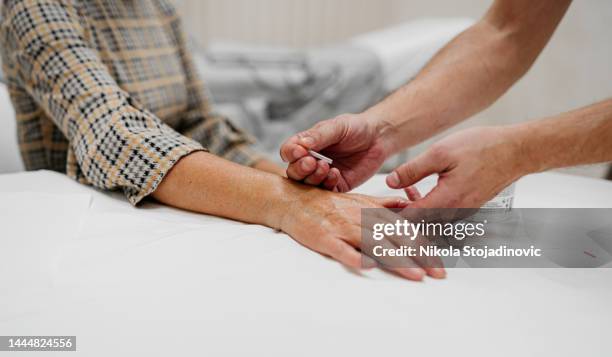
(136, 195)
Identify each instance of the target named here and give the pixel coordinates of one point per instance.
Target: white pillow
(405, 48)
(10, 160)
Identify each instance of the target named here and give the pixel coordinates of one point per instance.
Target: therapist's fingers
(333, 177)
(413, 193)
(291, 150)
(319, 175)
(342, 185)
(441, 196)
(302, 168)
(413, 171)
(324, 134)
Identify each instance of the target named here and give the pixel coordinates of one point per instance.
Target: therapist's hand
(473, 166)
(353, 141)
(330, 223)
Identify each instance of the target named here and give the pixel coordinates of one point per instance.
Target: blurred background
(310, 41)
(574, 70)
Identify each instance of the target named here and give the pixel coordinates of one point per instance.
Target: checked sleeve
(117, 143)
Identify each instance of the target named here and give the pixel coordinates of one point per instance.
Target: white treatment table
(157, 281)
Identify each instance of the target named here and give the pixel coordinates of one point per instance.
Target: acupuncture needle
(320, 157)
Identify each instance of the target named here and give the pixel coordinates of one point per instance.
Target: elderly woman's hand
(330, 223)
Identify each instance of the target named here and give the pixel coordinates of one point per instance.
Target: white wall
(574, 70)
(297, 23)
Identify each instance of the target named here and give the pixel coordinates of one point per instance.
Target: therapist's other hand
(473, 166)
(330, 223)
(351, 140)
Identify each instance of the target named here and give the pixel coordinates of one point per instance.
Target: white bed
(157, 281)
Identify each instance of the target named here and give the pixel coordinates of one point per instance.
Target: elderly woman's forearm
(269, 166)
(202, 182)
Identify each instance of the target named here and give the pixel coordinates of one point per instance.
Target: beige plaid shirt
(106, 91)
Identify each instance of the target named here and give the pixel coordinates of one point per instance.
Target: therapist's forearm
(202, 182)
(579, 137)
(470, 73)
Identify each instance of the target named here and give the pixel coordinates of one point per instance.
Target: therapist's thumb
(324, 134)
(414, 171)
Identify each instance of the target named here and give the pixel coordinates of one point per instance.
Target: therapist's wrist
(400, 126)
(384, 130)
(525, 155)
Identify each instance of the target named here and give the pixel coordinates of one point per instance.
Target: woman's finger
(342, 252)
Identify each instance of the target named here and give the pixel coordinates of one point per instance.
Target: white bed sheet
(157, 281)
